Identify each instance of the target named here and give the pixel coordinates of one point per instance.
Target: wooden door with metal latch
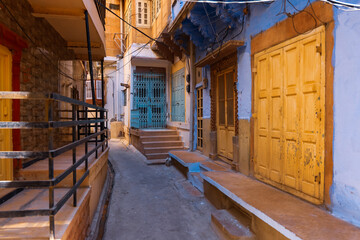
(225, 113)
(6, 165)
(289, 117)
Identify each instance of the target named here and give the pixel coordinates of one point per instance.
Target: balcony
(67, 18)
(51, 193)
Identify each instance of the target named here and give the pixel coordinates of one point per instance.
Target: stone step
(152, 156)
(231, 225)
(196, 180)
(70, 222)
(164, 132)
(212, 166)
(160, 138)
(163, 144)
(161, 149)
(155, 161)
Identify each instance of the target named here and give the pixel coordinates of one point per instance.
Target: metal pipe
(102, 83)
(102, 101)
(74, 118)
(90, 56)
(192, 97)
(51, 169)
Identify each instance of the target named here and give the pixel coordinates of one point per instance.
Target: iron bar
(102, 84)
(41, 96)
(22, 95)
(50, 124)
(96, 131)
(74, 118)
(59, 97)
(76, 122)
(70, 169)
(86, 135)
(26, 184)
(90, 57)
(25, 213)
(23, 154)
(63, 200)
(102, 101)
(50, 108)
(10, 195)
(70, 146)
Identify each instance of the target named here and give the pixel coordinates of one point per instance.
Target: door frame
(225, 63)
(15, 44)
(7, 164)
(271, 37)
(224, 72)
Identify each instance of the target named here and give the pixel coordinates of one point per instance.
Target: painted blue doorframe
(149, 108)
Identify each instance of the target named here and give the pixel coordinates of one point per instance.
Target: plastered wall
(345, 190)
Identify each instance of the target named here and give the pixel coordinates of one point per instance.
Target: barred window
(88, 90)
(98, 89)
(142, 13)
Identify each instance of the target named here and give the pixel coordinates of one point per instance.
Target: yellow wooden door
(290, 115)
(225, 113)
(6, 166)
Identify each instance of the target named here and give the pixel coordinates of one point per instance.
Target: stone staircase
(156, 144)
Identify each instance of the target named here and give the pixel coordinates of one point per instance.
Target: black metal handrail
(76, 123)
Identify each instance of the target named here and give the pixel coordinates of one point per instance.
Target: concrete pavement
(153, 202)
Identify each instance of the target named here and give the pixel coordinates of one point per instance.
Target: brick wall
(38, 67)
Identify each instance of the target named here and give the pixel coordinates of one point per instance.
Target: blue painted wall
(345, 191)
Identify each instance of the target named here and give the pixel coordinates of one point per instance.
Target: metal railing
(94, 130)
(120, 41)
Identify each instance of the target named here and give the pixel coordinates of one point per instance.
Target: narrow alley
(153, 202)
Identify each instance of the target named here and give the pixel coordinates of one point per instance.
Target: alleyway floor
(153, 202)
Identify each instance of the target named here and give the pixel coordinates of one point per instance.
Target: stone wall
(112, 26)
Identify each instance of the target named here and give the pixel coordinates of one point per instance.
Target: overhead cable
(229, 1)
(343, 4)
(137, 29)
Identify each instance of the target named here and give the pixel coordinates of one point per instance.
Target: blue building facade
(225, 35)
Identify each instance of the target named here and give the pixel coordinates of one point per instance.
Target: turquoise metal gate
(149, 108)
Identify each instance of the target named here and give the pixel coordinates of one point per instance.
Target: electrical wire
(137, 29)
(299, 11)
(242, 27)
(229, 2)
(343, 4)
(138, 49)
(313, 10)
(212, 27)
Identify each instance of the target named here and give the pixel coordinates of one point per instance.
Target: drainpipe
(121, 29)
(90, 57)
(192, 96)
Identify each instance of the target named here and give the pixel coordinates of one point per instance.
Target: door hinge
(254, 70)
(319, 49)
